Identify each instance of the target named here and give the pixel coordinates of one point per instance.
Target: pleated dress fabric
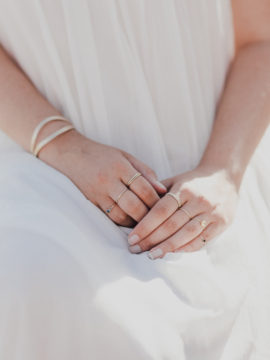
(144, 76)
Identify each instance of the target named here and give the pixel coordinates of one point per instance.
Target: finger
(163, 209)
(147, 172)
(129, 202)
(187, 233)
(167, 183)
(174, 223)
(140, 186)
(115, 213)
(145, 191)
(201, 240)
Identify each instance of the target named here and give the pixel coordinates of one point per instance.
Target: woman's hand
(209, 199)
(101, 172)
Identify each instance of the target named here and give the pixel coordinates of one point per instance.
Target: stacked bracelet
(41, 144)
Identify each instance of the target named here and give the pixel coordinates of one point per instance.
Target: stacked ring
(123, 191)
(133, 178)
(176, 197)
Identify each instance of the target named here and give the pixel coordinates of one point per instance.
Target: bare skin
(210, 192)
(98, 170)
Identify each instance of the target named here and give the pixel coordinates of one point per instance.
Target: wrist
(233, 173)
(54, 151)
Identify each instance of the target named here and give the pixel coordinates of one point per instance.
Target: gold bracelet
(39, 127)
(49, 138)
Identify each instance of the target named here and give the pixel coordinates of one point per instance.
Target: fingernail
(155, 253)
(133, 239)
(135, 249)
(160, 185)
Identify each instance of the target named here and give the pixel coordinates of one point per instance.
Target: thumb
(147, 172)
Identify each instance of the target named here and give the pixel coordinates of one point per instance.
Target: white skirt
(144, 76)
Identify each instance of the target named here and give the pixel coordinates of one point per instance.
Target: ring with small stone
(110, 208)
(203, 223)
(203, 240)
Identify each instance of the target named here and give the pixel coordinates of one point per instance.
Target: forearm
(22, 106)
(243, 112)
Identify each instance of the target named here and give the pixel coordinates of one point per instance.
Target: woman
(169, 100)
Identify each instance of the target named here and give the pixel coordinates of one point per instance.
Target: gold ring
(187, 213)
(133, 178)
(121, 193)
(176, 197)
(203, 223)
(110, 208)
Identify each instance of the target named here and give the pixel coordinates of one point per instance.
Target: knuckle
(186, 193)
(119, 166)
(191, 227)
(171, 224)
(161, 210)
(204, 202)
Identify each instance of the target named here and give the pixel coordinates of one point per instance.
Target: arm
(209, 193)
(243, 113)
(98, 170)
(22, 107)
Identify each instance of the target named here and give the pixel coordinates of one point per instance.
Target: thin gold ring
(121, 193)
(133, 178)
(187, 213)
(110, 208)
(176, 197)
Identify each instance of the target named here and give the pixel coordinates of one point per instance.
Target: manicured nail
(155, 253)
(135, 249)
(133, 239)
(160, 185)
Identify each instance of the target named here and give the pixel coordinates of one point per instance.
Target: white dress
(144, 76)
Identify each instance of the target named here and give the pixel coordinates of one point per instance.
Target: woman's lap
(52, 265)
(70, 286)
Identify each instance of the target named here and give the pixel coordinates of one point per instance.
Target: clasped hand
(208, 198)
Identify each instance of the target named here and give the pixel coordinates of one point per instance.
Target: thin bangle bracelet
(49, 138)
(40, 125)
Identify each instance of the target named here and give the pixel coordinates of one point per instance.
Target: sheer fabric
(144, 76)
